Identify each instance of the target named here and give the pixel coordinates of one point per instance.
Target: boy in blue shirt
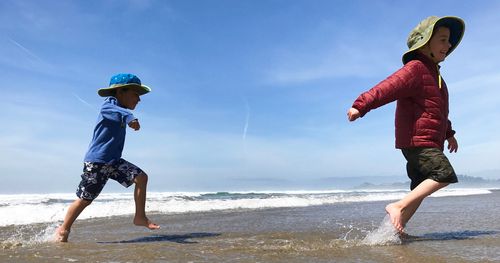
(103, 159)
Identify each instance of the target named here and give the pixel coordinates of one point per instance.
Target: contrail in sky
(27, 51)
(247, 119)
(83, 101)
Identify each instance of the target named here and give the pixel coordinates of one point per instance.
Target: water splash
(29, 235)
(385, 234)
(45, 235)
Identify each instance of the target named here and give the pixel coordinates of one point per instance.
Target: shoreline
(448, 229)
(25, 210)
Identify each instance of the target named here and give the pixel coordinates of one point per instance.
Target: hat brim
(109, 91)
(457, 28)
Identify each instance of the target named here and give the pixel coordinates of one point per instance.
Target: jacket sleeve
(401, 84)
(449, 132)
(115, 113)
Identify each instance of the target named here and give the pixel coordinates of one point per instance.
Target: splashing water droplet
(30, 235)
(385, 234)
(46, 235)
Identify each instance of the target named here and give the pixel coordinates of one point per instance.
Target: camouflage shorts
(95, 176)
(428, 163)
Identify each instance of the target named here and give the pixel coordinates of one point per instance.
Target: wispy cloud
(334, 62)
(477, 83)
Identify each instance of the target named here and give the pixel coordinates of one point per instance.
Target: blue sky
(246, 94)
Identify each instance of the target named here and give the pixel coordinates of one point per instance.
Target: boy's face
(128, 98)
(438, 45)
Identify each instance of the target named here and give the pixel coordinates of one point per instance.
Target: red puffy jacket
(422, 106)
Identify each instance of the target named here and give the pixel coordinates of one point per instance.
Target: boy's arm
(353, 114)
(450, 137)
(113, 112)
(449, 132)
(452, 144)
(134, 124)
(402, 83)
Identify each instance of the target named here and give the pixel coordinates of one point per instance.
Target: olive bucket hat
(124, 80)
(422, 33)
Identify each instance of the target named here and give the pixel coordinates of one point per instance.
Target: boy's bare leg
(74, 210)
(401, 211)
(140, 218)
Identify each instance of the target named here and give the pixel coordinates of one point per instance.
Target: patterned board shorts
(428, 163)
(95, 176)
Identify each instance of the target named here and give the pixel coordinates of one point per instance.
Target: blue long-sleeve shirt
(109, 133)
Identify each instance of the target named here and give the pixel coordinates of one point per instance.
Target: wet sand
(448, 229)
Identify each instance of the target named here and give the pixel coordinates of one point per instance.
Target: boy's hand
(452, 144)
(134, 125)
(353, 114)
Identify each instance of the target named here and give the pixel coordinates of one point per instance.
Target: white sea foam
(460, 192)
(24, 209)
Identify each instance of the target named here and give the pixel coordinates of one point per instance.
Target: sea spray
(28, 235)
(45, 235)
(385, 234)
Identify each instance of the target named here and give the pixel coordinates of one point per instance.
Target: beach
(445, 229)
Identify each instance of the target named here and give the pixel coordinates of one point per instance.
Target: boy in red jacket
(422, 123)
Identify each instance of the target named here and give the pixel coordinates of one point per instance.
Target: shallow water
(446, 229)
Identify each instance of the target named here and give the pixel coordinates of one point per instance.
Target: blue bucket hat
(124, 80)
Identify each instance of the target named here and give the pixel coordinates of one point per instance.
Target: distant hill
(474, 181)
(357, 181)
(464, 181)
(347, 183)
(487, 174)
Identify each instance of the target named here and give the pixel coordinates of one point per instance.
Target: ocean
(453, 225)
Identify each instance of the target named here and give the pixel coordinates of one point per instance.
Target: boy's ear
(424, 49)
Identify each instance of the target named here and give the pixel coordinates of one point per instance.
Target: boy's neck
(428, 57)
(118, 102)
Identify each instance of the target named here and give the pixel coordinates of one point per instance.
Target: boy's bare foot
(403, 235)
(61, 235)
(395, 216)
(146, 223)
